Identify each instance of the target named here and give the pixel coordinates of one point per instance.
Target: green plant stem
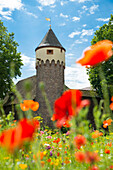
(105, 91)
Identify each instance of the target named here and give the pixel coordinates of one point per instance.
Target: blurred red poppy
(107, 122)
(92, 157)
(79, 141)
(97, 53)
(29, 104)
(80, 156)
(14, 138)
(67, 106)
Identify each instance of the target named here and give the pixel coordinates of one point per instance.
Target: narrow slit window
(49, 51)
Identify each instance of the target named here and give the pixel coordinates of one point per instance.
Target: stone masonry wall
(53, 77)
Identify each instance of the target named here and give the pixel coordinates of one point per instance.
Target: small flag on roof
(48, 19)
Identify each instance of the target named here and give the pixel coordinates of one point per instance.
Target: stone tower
(50, 65)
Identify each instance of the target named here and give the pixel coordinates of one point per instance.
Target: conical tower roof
(50, 40)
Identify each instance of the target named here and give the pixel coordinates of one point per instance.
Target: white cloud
(93, 8)
(64, 16)
(76, 77)
(73, 34)
(46, 2)
(80, 1)
(63, 3)
(53, 6)
(97, 26)
(70, 54)
(10, 6)
(84, 25)
(87, 32)
(30, 13)
(103, 19)
(85, 8)
(80, 41)
(29, 62)
(76, 18)
(40, 8)
(6, 14)
(62, 24)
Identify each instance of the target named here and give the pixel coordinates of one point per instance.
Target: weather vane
(48, 19)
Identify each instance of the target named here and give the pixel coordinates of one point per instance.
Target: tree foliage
(104, 32)
(8, 55)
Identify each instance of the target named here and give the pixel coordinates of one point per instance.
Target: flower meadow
(73, 143)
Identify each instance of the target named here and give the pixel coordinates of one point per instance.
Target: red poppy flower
(107, 122)
(80, 156)
(27, 128)
(111, 167)
(10, 139)
(79, 141)
(93, 167)
(29, 104)
(111, 105)
(107, 151)
(96, 134)
(109, 144)
(14, 138)
(92, 157)
(56, 140)
(67, 106)
(97, 53)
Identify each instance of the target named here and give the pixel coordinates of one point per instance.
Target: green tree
(104, 32)
(8, 55)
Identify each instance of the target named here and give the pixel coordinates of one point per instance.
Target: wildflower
(96, 134)
(58, 154)
(23, 166)
(41, 155)
(109, 144)
(107, 151)
(111, 167)
(48, 147)
(6, 157)
(67, 106)
(42, 132)
(97, 53)
(80, 156)
(67, 133)
(29, 104)
(12, 124)
(111, 105)
(49, 137)
(56, 140)
(42, 163)
(27, 128)
(107, 122)
(49, 160)
(14, 138)
(91, 157)
(67, 161)
(94, 167)
(79, 141)
(51, 153)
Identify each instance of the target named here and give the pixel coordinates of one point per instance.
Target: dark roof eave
(49, 46)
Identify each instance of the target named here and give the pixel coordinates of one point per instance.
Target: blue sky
(73, 21)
